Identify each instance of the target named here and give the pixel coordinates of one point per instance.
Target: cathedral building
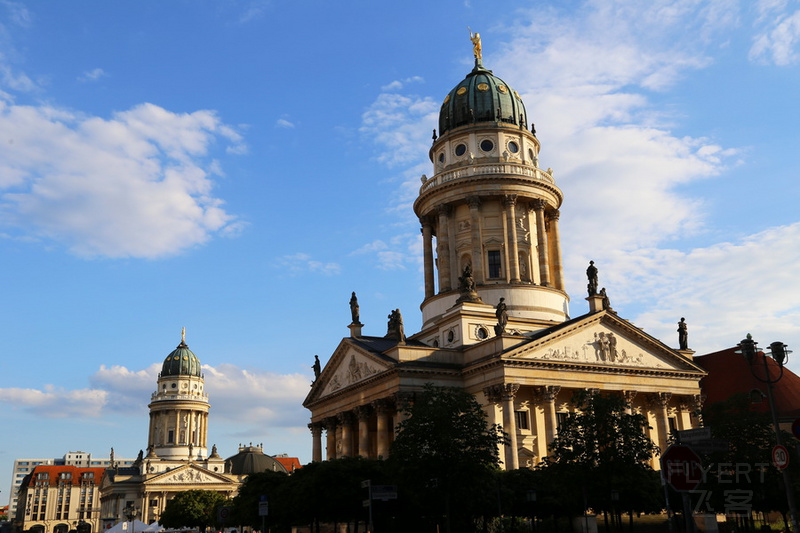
(495, 313)
(177, 457)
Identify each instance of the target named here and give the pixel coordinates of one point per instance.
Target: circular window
(441, 157)
(461, 149)
(174, 385)
(487, 145)
(513, 147)
(450, 336)
(482, 333)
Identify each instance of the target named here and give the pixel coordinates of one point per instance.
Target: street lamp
(777, 350)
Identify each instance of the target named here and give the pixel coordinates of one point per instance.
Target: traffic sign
(780, 457)
(681, 468)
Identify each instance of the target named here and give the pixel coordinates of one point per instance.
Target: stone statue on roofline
(683, 335)
(591, 273)
(395, 326)
(501, 312)
(354, 309)
(467, 286)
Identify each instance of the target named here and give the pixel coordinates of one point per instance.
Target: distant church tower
(179, 408)
(490, 207)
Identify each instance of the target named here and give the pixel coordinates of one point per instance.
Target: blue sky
(238, 168)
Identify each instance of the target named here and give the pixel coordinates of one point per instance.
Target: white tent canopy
(137, 526)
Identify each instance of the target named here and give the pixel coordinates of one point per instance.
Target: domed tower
(179, 408)
(490, 207)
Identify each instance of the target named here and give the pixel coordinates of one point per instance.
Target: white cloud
(273, 399)
(52, 402)
(778, 37)
(92, 75)
(301, 262)
(283, 123)
(136, 185)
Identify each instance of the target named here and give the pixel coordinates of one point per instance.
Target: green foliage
(192, 508)
(601, 449)
(272, 485)
(444, 456)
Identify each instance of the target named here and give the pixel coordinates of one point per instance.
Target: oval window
(450, 336)
(487, 145)
(482, 333)
(513, 147)
(531, 155)
(461, 149)
(441, 157)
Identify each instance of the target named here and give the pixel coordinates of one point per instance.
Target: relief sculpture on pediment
(601, 349)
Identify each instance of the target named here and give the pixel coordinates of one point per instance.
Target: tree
(444, 455)
(602, 451)
(272, 486)
(192, 508)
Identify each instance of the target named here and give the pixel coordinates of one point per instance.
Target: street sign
(681, 468)
(263, 508)
(780, 457)
(688, 436)
(384, 492)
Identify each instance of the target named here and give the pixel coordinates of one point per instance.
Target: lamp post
(779, 353)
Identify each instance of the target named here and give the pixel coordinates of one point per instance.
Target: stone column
(330, 445)
(346, 421)
(660, 403)
(510, 425)
(363, 413)
(510, 203)
(443, 247)
(427, 256)
(555, 241)
(548, 396)
(629, 395)
(403, 401)
(477, 246)
(541, 242)
(316, 442)
(382, 411)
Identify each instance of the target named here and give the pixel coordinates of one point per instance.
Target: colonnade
(540, 407)
(189, 425)
(367, 430)
(547, 249)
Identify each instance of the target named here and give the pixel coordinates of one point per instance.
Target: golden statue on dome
(477, 49)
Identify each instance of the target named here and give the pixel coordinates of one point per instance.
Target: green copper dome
(481, 97)
(181, 362)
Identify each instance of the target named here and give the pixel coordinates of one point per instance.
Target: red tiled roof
(55, 470)
(289, 463)
(729, 373)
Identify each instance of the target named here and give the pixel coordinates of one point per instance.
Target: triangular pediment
(604, 340)
(188, 474)
(350, 364)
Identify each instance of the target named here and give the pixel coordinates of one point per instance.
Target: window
(522, 420)
(461, 149)
(673, 424)
(171, 436)
(513, 147)
(561, 419)
(487, 145)
(494, 263)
